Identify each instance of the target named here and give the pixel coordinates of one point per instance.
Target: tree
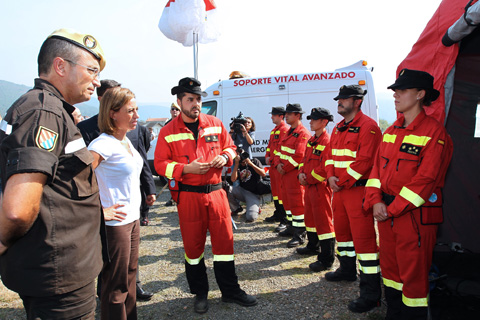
(383, 124)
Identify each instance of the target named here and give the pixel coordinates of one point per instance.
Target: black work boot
(288, 232)
(394, 303)
(299, 237)
(346, 272)
(200, 305)
(276, 214)
(312, 246)
(281, 227)
(370, 293)
(241, 298)
(326, 256)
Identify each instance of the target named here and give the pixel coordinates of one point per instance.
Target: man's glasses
(93, 71)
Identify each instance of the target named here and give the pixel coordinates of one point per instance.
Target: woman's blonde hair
(113, 100)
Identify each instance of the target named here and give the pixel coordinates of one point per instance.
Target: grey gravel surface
(266, 268)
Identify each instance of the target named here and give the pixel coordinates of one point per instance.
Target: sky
(261, 38)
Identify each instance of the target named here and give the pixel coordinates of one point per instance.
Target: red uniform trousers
(406, 248)
(318, 210)
(275, 184)
(354, 225)
(293, 194)
(199, 212)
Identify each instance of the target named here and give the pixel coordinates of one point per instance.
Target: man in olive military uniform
(50, 217)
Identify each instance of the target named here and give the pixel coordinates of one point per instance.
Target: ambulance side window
(210, 108)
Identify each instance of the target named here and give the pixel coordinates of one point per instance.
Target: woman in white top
(117, 167)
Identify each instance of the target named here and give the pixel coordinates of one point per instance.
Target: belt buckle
(208, 188)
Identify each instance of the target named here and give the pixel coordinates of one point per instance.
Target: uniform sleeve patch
(441, 142)
(372, 132)
(46, 139)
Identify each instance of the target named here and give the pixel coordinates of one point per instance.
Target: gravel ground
(266, 268)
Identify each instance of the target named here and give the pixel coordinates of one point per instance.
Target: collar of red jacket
(416, 123)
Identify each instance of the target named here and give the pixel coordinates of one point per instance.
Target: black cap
(278, 110)
(190, 85)
(320, 113)
(409, 79)
(294, 107)
(352, 90)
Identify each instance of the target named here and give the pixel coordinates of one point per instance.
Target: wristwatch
(225, 156)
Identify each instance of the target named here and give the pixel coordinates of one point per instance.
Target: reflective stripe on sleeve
(411, 196)
(341, 164)
(179, 137)
(375, 183)
(5, 127)
(344, 152)
(230, 152)
(390, 138)
(169, 170)
(354, 173)
(287, 149)
(317, 176)
(416, 140)
(193, 262)
(223, 257)
(289, 159)
(329, 162)
(300, 165)
(75, 145)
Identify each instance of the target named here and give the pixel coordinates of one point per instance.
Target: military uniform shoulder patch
(441, 142)
(295, 134)
(46, 139)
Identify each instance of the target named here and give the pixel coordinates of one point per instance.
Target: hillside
(9, 92)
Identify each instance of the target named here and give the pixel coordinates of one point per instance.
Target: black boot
(312, 245)
(197, 277)
(276, 214)
(370, 293)
(288, 232)
(299, 236)
(394, 303)
(226, 277)
(346, 272)
(326, 256)
(414, 313)
(142, 294)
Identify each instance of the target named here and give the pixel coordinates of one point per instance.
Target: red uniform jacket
(352, 150)
(312, 162)
(176, 147)
(410, 164)
(292, 148)
(276, 135)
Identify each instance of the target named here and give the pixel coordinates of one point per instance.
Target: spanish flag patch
(372, 132)
(441, 142)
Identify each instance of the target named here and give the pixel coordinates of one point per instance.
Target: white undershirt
(118, 176)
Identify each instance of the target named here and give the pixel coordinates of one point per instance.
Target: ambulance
(255, 97)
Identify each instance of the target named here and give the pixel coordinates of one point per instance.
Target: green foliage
(383, 124)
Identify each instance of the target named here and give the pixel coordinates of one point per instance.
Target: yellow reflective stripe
(320, 147)
(277, 132)
(289, 159)
(193, 261)
(317, 176)
(329, 162)
(298, 224)
(367, 256)
(326, 236)
(344, 152)
(280, 201)
(287, 149)
(169, 170)
(345, 244)
(342, 164)
(346, 253)
(300, 165)
(354, 173)
(416, 140)
(275, 152)
(272, 132)
(415, 302)
(375, 183)
(179, 137)
(390, 138)
(369, 270)
(230, 152)
(212, 130)
(299, 217)
(393, 284)
(268, 149)
(311, 229)
(223, 257)
(275, 198)
(411, 196)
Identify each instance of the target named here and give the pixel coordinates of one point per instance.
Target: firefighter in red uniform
(191, 151)
(349, 161)
(404, 190)
(292, 150)
(276, 135)
(318, 195)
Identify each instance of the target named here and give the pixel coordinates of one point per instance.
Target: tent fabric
(430, 55)
(181, 18)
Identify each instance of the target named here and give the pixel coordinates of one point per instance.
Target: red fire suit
(292, 151)
(408, 173)
(318, 195)
(273, 148)
(350, 159)
(199, 211)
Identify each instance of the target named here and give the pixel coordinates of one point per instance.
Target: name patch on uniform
(410, 149)
(213, 138)
(354, 129)
(276, 136)
(46, 139)
(295, 134)
(317, 152)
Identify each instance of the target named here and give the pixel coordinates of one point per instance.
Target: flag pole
(195, 55)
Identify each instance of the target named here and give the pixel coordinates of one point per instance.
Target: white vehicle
(255, 97)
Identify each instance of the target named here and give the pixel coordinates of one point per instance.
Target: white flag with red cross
(181, 18)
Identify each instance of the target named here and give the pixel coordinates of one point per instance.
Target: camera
(243, 154)
(237, 123)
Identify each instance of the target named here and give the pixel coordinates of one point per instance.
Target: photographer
(251, 185)
(243, 133)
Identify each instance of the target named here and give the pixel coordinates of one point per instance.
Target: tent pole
(195, 55)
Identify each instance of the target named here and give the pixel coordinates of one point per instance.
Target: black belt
(201, 189)
(387, 198)
(360, 183)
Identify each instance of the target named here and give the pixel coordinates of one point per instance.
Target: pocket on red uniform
(174, 188)
(432, 212)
